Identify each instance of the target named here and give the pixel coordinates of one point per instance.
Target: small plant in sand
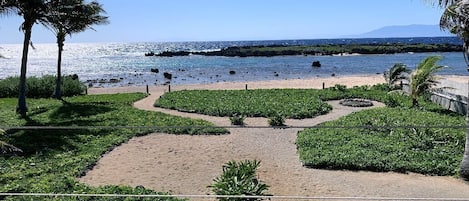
(239, 178)
(276, 120)
(237, 120)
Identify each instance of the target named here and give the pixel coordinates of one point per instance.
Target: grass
(52, 159)
(291, 103)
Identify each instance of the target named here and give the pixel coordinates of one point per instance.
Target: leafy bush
(42, 87)
(395, 100)
(237, 120)
(276, 120)
(387, 143)
(239, 178)
(339, 87)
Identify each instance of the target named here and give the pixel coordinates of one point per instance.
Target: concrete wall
(453, 102)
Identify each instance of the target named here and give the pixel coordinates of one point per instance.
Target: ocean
(124, 64)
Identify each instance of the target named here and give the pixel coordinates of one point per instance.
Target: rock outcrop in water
(339, 49)
(316, 64)
(168, 75)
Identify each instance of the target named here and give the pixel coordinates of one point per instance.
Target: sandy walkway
(187, 164)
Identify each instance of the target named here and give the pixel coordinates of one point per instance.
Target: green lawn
(290, 103)
(52, 159)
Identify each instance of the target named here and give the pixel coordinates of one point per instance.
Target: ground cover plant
(52, 159)
(291, 103)
(434, 151)
(384, 146)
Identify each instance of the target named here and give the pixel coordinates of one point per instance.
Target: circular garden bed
(356, 102)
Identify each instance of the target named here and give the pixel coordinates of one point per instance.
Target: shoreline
(456, 81)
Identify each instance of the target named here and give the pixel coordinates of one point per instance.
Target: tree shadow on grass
(71, 111)
(444, 111)
(40, 141)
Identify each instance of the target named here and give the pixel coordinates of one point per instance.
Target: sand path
(187, 164)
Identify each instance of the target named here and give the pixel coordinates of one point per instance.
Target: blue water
(126, 61)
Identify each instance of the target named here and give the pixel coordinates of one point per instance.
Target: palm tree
(456, 20)
(32, 11)
(71, 16)
(423, 79)
(396, 73)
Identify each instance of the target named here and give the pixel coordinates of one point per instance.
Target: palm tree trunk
(464, 171)
(415, 102)
(58, 83)
(22, 107)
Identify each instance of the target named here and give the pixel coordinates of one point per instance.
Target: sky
(227, 20)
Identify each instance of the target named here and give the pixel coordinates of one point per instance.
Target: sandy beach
(316, 83)
(188, 164)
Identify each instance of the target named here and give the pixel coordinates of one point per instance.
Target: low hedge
(41, 87)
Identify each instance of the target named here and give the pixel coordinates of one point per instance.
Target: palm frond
(7, 149)
(455, 19)
(74, 16)
(396, 73)
(423, 78)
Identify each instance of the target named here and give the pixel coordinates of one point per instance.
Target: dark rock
(333, 74)
(150, 54)
(316, 64)
(276, 74)
(232, 72)
(114, 80)
(168, 75)
(155, 70)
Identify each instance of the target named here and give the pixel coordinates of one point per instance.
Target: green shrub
(394, 100)
(237, 120)
(339, 87)
(41, 87)
(239, 178)
(276, 120)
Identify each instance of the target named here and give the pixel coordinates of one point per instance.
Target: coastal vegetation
(74, 16)
(329, 49)
(409, 139)
(42, 87)
(395, 74)
(421, 81)
(423, 78)
(290, 103)
(386, 139)
(62, 17)
(52, 159)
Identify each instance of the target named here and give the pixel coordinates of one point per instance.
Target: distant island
(405, 31)
(328, 49)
